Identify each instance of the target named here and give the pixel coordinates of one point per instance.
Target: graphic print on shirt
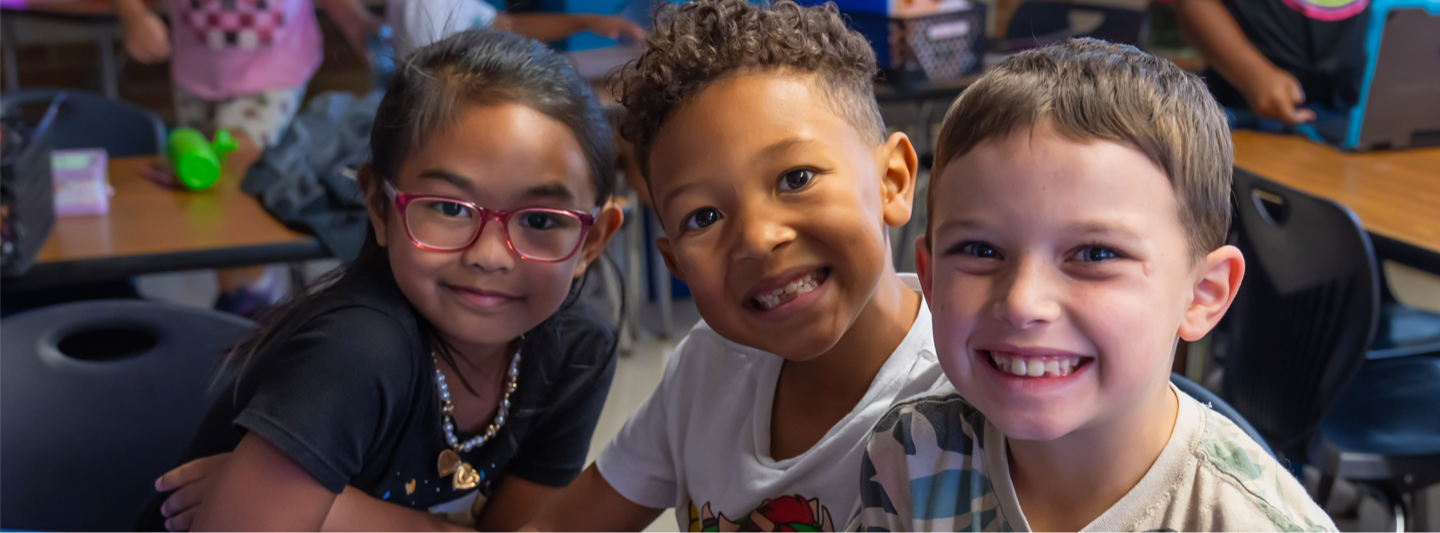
(786, 513)
(243, 24)
(1328, 9)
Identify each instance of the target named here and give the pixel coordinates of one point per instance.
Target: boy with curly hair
(758, 134)
(1080, 200)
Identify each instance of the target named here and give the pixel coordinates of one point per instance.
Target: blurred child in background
(1280, 59)
(240, 65)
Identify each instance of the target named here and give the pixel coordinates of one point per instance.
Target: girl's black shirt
(351, 398)
(1327, 57)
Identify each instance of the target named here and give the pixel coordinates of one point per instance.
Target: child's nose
(490, 252)
(761, 231)
(1027, 300)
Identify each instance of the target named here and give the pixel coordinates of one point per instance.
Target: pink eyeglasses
(441, 224)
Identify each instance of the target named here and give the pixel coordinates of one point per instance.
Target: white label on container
(947, 6)
(946, 30)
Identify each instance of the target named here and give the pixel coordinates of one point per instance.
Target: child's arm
(1270, 91)
(261, 489)
(146, 38)
(354, 20)
(546, 27)
(591, 504)
(353, 510)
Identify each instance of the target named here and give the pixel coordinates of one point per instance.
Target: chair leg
(1420, 511)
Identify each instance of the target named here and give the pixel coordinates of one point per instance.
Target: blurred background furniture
(151, 229)
(88, 120)
(99, 399)
(1296, 344)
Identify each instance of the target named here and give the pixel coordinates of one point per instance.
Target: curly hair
(698, 42)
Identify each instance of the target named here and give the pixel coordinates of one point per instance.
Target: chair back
(97, 399)
(1041, 19)
(1306, 311)
(88, 120)
(1203, 395)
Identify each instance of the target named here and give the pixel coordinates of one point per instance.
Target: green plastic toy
(195, 160)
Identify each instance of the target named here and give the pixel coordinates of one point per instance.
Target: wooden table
(153, 229)
(1395, 194)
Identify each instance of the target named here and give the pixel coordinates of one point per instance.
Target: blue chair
(97, 399)
(1203, 395)
(1300, 356)
(1046, 20)
(89, 120)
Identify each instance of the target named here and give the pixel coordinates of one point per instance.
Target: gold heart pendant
(449, 461)
(465, 477)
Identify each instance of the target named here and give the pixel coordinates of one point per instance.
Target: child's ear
(606, 224)
(663, 245)
(376, 201)
(1220, 274)
(897, 191)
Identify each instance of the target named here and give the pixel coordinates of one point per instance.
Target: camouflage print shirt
(935, 464)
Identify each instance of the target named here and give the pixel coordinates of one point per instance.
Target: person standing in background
(1280, 59)
(240, 65)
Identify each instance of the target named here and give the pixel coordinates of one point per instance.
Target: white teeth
(799, 286)
(1034, 368)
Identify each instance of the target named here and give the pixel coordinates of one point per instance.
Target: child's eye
(701, 218)
(979, 249)
(795, 180)
(537, 221)
(1095, 253)
(450, 209)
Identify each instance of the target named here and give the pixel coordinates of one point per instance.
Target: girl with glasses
(445, 377)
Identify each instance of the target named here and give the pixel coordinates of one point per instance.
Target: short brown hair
(1094, 90)
(697, 42)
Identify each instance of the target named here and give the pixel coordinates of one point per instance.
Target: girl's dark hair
(474, 67)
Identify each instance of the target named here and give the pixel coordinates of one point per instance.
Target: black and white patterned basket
(947, 46)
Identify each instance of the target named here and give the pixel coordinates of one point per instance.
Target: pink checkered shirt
(227, 48)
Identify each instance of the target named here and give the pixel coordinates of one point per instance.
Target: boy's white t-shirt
(701, 442)
(416, 23)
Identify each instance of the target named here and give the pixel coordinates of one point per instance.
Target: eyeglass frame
(402, 201)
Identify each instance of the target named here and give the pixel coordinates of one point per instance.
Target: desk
(1395, 194)
(151, 229)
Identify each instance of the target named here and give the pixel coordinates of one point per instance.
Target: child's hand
(189, 481)
(1275, 94)
(616, 28)
(146, 38)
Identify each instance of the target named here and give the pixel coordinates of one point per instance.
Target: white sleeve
(417, 23)
(639, 462)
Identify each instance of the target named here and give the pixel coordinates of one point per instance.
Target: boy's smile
(1059, 276)
(772, 211)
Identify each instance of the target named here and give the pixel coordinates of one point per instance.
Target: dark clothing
(1327, 57)
(351, 397)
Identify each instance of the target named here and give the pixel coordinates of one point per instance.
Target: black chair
(89, 120)
(99, 398)
(1295, 348)
(1203, 395)
(1046, 20)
